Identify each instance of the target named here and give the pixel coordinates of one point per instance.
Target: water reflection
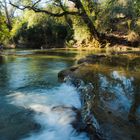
(135, 102)
(121, 93)
(117, 89)
(1, 60)
(22, 72)
(115, 100)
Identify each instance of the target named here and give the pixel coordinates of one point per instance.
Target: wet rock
(69, 72)
(77, 123)
(104, 101)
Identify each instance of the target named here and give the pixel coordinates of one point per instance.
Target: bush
(39, 30)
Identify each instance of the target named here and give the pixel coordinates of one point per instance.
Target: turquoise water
(29, 89)
(34, 105)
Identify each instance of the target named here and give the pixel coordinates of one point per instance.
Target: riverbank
(111, 100)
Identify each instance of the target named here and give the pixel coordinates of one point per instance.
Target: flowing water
(34, 105)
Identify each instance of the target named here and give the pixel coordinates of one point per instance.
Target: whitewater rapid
(53, 111)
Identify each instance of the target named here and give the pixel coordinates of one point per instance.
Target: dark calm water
(29, 89)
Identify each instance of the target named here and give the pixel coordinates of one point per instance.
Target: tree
(65, 9)
(3, 4)
(116, 11)
(4, 31)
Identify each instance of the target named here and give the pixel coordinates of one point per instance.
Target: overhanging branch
(35, 9)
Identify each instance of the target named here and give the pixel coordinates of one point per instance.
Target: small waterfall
(55, 110)
(87, 96)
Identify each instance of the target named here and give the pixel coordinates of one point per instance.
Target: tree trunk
(87, 20)
(9, 25)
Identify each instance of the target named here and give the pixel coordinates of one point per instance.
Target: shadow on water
(15, 122)
(1, 59)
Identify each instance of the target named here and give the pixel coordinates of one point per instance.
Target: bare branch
(18, 7)
(61, 5)
(36, 3)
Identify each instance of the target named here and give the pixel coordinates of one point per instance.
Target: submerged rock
(92, 59)
(126, 61)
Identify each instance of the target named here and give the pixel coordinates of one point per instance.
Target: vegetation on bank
(77, 23)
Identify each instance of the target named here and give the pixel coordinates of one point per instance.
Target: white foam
(53, 112)
(120, 92)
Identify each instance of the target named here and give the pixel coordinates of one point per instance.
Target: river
(29, 89)
(34, 105)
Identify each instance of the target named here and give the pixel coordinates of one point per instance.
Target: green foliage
(118, 15)
(4, 32)
(38, 29)
(81, 31)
